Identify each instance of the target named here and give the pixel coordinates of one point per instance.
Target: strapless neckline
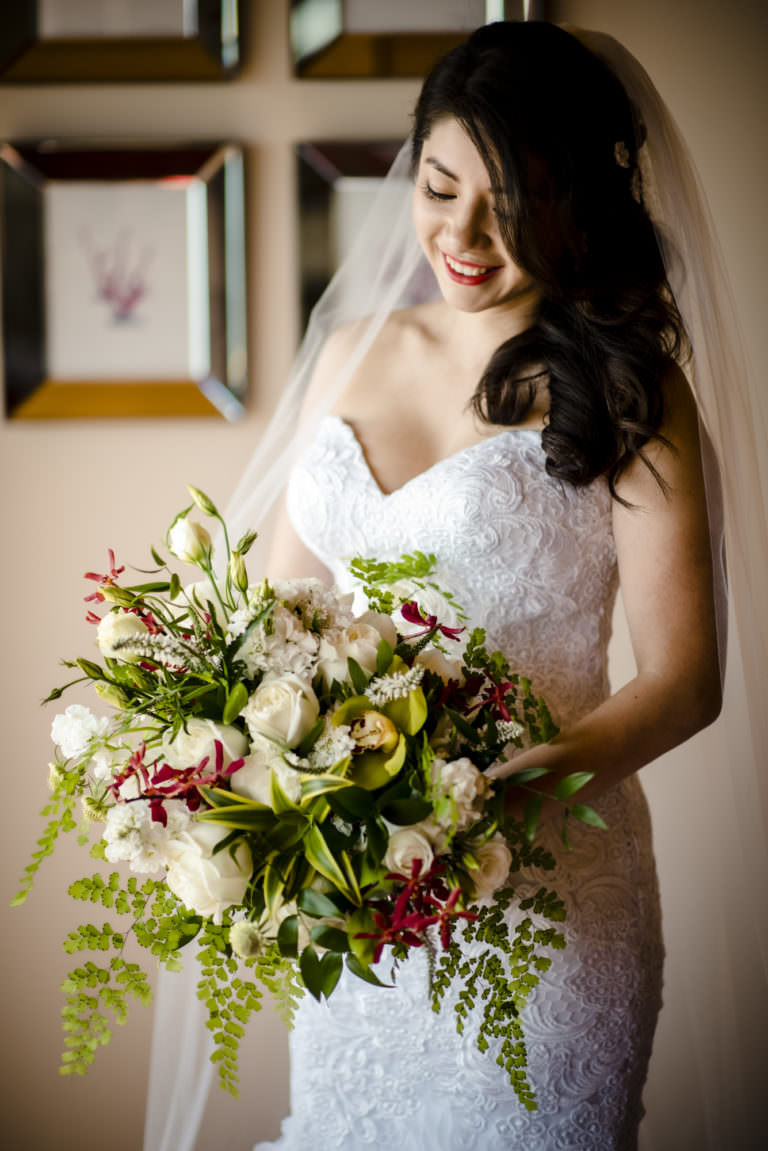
(428, 473)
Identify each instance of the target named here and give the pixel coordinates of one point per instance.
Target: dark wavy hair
(559, 139)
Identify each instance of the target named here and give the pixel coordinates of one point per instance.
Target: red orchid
(411, 613)
(104, 580)
(183, 783)
(424, 902)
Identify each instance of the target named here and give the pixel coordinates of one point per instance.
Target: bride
(529, 427)
(533, 427)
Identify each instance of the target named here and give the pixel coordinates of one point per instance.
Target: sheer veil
(386, 271)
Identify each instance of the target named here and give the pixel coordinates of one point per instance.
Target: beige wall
(71, 490)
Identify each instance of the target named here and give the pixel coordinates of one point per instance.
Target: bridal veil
(723, 887)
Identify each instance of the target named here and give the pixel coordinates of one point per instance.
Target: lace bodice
(534, 563)
(531, 560)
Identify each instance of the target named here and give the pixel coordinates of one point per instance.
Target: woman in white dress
(532, 429)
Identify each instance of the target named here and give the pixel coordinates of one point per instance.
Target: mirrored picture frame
(81, 41)
(123, 280)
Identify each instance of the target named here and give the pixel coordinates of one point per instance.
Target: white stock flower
(359, 641)
(73, 729)
(132, 835)
(284, 646)
(254, 778)
(314, 602)
(466, 786)
(117, 626)
(405, 846)
(204, 882)
(494, 861)
(283, 708)
(189, 747)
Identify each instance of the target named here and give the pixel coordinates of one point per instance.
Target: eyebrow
(434, 163)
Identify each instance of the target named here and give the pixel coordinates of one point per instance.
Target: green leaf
(236, 701)
(274, 883)
(330, 972)
(364, 972)
(332, 938)
(353, 803)
(531, 817)
(311, 738)
(279, 800)
(309, 966)
(288, 937)
(315, 904)
(323, 860)
(461, 725)
(246, 817)
(404, 812)
(527, 775)
(322, 785)
(588, 815)
(384, 656)
(572, 783)
(358, 677)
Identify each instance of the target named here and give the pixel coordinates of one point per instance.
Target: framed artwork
(123, 280)
(344, 39)
(337, 181)
(118, 40)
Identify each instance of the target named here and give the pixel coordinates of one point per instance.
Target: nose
(468, 226)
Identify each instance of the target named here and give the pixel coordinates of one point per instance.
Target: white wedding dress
(533, 561)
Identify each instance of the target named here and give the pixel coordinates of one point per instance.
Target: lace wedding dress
(533, 562)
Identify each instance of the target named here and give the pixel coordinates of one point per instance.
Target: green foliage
(501, 978)
(60, 806)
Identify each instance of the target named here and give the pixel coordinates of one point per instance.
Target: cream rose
(359, 641)
(404, 847)
(204, 882)
(118, 626)
(254, 778)
(283, 708)
(189, 747)
(466, 786)
(434, 661)
(494, 860)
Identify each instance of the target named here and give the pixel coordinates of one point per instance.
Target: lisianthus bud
(189, 541)
(237, 571)
(246, 939)
(373, 731)
(206, 505)
(114, 594)
(244, 545)
(110, 693)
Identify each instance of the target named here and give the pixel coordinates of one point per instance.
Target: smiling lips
(463, 272)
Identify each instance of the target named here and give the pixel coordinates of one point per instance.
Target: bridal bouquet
(298, 787)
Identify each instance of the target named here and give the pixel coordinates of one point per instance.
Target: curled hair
(560, 141)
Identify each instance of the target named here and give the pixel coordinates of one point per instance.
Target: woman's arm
(665, 569)
(289, 558)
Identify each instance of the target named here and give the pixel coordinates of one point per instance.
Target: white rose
(254, 778)
(404, 847)
(383, 624)
(494, 861)
(466, 786)
(207, 883)
(434, 661)
(431, 602)
(75, 728)
(117, 626)
(359, 641)
(283, 708)
(188, 541)
(190, 747)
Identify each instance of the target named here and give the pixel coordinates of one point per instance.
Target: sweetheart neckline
(432, 467)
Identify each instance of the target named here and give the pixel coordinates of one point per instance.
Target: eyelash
(431, 194)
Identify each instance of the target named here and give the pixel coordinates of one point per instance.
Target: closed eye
(432, 194)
